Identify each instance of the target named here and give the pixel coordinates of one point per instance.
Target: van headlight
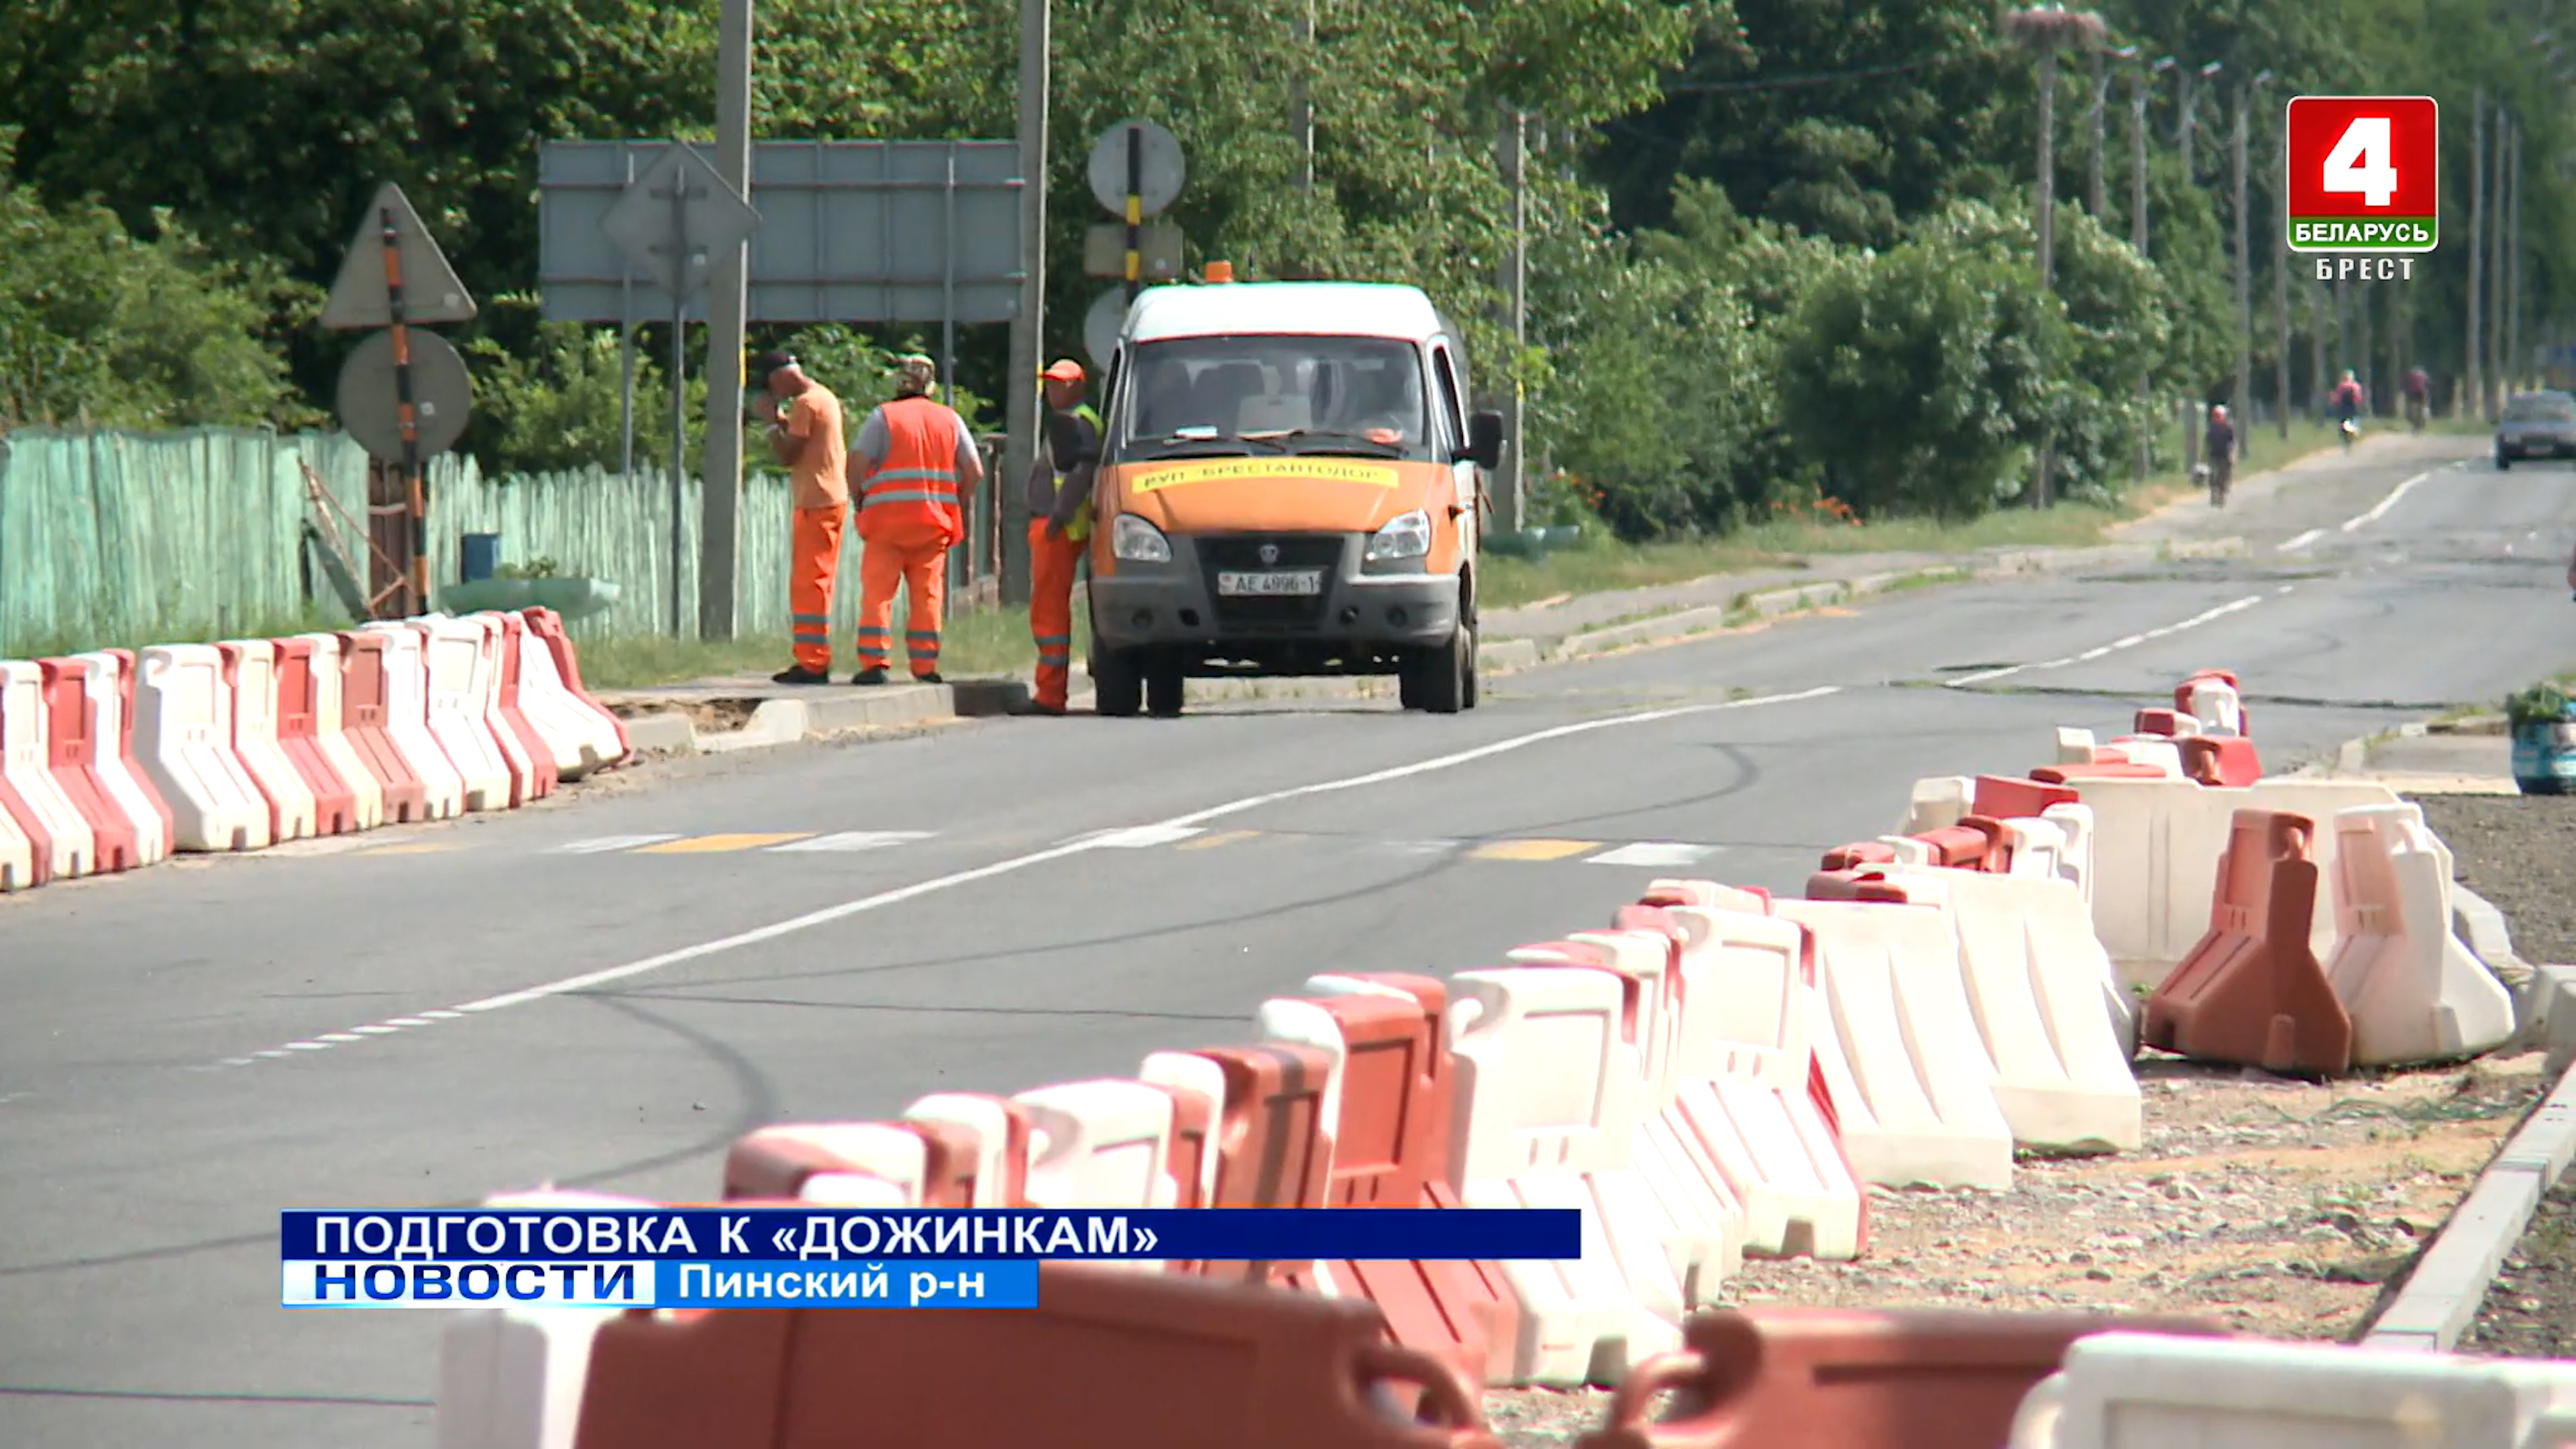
(1136, 541)
(1407, 535)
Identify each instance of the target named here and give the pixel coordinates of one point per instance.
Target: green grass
(52, 645)
(1603, 565)
(979, 642)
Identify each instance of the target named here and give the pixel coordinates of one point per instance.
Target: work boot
(799, 674)
(874, 674)
(931, 678)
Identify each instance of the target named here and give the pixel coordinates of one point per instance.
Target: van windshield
(1201, 397)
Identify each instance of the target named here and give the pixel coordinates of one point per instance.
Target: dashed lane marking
(1164, 832)
(605, 843)
(1661, 854)
(1532, 849)
(2131, 642)
(720, 844)
(855, 840)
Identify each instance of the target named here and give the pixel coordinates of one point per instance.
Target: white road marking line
(849, 840)
(1663, 853)
(307, 1046)
(442, 1015)
(406, 1021)
(375, 1030)
(1133, 837)
(604, 843)
(272, 1054)
(338, 1036)
(2131, 642)
(2380, 509)
(2301, 541)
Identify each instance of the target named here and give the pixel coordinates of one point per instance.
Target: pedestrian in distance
(919, 460)
(1059, 501)
(805, 436)
(2218, 445)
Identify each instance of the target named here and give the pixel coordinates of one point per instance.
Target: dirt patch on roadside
(706, 716)
(2518, 851)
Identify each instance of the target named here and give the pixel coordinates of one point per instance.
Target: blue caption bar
(680, 1235)
(947, 1283)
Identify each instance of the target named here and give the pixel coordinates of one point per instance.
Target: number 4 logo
(2361, 162)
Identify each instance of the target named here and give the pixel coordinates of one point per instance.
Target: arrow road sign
(676, 216)
(1159, 174)
(442, 394)
(431, 292)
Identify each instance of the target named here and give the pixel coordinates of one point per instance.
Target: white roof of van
(1345, 309)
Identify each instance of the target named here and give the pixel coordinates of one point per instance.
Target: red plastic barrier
(2252, 992)
(1840, 1378)
(2000, 797)
(762, 1166)
(1193, 1141)
(1975, 843)
(362, 719)
(1841, 857)
(550, 629)
(125, 667)
(1107, 1360)
(2221, 760)
(1013, 1189)
(71, 757)
(541, 756)
(2168, 723)
(335, 809)
(1856, 885)
(2098, 770)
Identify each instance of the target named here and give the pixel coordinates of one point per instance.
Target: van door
(1449, 430)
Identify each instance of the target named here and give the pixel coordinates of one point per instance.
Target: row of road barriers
(119, 759)
(1715, 1074)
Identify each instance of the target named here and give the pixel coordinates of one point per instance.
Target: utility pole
(2513, 359)
(1028, 335)
(728, 299)
(2184, 126)
(2495, 262)
(2045, 29)
(2473, 362)
(2281, 286)
(1302, 119)
(1515, 148)
(2101, 103)
(2240, 407)
(2138, 236)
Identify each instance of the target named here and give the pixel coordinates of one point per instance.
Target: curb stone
(2442, 1296)
(777, 720)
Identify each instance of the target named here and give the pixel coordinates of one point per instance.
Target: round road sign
(1100, 325)
(442, 395)
(1159, 169)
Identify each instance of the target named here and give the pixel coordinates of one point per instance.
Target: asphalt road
(557, 995)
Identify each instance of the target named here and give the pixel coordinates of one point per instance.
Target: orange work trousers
(920, 566)
(1051, 566)
(813, 561)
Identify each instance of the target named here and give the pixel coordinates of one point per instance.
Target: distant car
(2536, 425)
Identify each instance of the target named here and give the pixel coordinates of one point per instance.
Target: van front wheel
(1117, 684)
(1441, 679)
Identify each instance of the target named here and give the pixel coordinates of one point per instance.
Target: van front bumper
(1178, 604)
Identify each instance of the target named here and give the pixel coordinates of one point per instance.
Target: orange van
(1290, 484)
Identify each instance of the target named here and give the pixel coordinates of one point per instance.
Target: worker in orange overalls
(804, 420)
(1059, 499)
(919, 461)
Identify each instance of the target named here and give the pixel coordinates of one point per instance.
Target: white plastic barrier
(2156, 752)
(511, 1378)
(1741, 1101)
(2076, 862)
(330, 734)
(1909, 1076)
(1546, 1097)
(2415, 993)
(183, 744)
(489, 634)
(407, 720)
(2216, 705)
(253, 669)
(1103, 1143)
(26, 766)
(579, 735)
(2074, 746)
(2156, 845)
(2037, 984)
(2153, 1391)
(1937, 801)
(998, 1162)
(452, 655)
(17, 856)
(2036, 848)
(105, 683)
(875, 1164)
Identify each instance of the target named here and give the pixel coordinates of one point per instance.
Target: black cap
(771, 361)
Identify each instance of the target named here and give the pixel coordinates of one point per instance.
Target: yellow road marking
(418, 848)
(1206, 842)
(1532, 849)
(713, 844)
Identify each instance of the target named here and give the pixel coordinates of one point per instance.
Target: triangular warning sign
(431, 292)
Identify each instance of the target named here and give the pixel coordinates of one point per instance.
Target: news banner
(797, 1257)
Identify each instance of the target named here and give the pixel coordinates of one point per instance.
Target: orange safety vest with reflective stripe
(912, 493)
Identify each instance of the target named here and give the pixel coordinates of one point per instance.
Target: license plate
(1271, 585)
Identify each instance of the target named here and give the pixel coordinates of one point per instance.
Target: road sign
(2365, 173)
(676, 217)
(442, 395)
(1160, 170)
(1158, 245)
(431, 292)
(1100, 326)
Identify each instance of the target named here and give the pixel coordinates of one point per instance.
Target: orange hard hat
(1063, 369)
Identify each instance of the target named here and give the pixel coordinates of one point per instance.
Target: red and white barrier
(2415, 993)
(250, 673)
(183, 745)
(299, 737)
(109, 680)
(407, 720)
(458, 708)
(311, 685)
(72, 750)
(28, 788)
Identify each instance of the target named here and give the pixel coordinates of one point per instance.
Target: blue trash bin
(478, 557)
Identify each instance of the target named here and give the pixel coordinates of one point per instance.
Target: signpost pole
(1135, 208)
(679, 394)
(1020, 393)
(626, 356)
(417, 504)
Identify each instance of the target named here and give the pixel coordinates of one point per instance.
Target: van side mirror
(1485, 441)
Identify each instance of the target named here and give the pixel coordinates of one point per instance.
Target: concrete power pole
(2138, 231)
(2093, 160)
(2183, 130)
(1510, 506)
(2281, 288)
(1028, 330)
(2240, 404)
(2514, 362)
(2473, 393)
(1301, 120)
(2495, 372)
(728, 299)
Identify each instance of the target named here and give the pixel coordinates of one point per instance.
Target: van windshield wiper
(1196, 443)
(1336, 442)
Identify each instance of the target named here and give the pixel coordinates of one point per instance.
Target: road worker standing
(920, 461)
(1059, 499)
(804, 420)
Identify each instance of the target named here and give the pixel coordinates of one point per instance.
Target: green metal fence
(113, 537)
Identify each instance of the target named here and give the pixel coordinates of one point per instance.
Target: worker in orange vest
(920, 460)
(804, 420)
(1059, 502)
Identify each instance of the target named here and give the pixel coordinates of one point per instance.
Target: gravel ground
(2271, 1207)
